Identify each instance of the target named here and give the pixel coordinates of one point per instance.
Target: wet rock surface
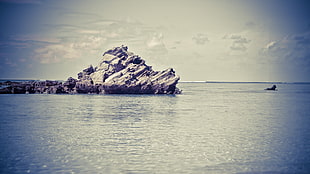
(118, 72)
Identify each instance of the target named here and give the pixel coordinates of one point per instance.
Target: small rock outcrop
(273, 88)
(118, 72)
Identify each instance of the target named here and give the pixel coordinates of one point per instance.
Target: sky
(203, 40)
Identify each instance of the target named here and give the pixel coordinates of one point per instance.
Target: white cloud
(238, 47)
(239, 43)
(200, 39)
(156, 44)
(89, 43)
(56, 53)
(270, 45)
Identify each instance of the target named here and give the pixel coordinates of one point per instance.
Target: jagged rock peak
(117, 51)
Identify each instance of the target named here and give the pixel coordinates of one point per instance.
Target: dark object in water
(274, 88)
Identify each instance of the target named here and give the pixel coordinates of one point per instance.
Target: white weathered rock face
(123, 72)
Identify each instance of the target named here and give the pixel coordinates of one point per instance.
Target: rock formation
(119, 72)
(31, 87)
(273, 88)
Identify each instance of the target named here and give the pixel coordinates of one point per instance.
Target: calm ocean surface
(210, 128)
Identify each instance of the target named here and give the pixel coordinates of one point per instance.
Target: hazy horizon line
(271, 82)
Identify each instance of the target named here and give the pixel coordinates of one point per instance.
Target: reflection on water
(211, 128)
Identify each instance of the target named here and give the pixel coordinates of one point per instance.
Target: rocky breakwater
(32, 87)
(118, 72)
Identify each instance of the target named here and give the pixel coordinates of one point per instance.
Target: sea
(212, 128)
